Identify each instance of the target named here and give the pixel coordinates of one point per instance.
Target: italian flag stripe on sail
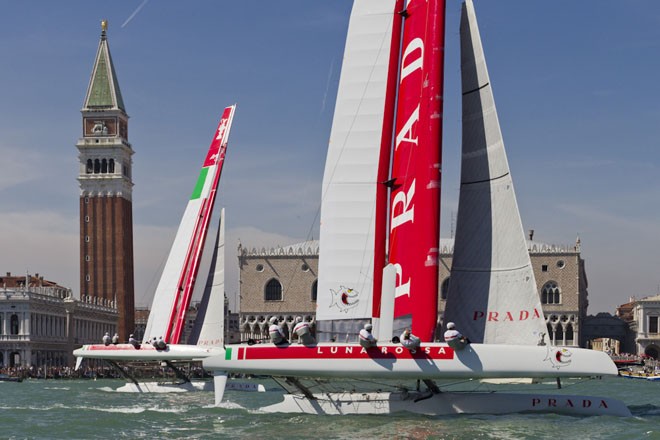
(201, 184)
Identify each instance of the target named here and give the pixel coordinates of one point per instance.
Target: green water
(53, 409)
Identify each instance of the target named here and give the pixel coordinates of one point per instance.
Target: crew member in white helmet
(367, 340)
(454, 338)
(106, 338)
(276, 333)
(303, 331)
(410, 341)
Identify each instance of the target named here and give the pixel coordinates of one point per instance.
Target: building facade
(646, 314)
(282, 282)
(278, 282)
(105, 179)
(41, 324)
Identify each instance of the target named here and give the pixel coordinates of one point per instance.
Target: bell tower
(106, 186)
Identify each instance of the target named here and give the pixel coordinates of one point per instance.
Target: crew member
(454, 338)
(115, 339)
(410, 341)
(107, 339)
(276, 333)
(304, 333)
(367, 340)
(133, 341)
(161, 344)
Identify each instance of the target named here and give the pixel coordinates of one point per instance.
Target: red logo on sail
(344, 299)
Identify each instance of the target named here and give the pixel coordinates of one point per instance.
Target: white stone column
(25, 325)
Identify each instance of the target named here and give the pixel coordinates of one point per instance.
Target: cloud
(41, 242)
(21, 166)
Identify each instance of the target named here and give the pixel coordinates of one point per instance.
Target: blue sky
(575, 84)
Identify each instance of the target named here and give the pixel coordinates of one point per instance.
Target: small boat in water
(641, 374)
(6, 378)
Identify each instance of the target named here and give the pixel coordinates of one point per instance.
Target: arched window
(559, 335)
(314, 287)
(111, 166)
(550, 294)
(89, 169)
(14, 359)
(104, 166)
(273, 290)
(13, 325)
(570, 335)
(97, 166)
(444, 289)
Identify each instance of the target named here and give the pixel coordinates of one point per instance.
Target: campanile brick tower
(106, 210)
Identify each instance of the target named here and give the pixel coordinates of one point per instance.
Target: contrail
(144, 2)
(327, 86)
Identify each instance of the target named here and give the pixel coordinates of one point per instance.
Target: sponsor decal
(344, 298)
(394, 352)
(558, 357)
(506, 316)
(221, 128)
(567, 402)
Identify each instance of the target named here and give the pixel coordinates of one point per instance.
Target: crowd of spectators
(139, 371)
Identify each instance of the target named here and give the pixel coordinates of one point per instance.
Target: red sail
(415, 198)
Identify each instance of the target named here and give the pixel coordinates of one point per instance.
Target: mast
(381, 214)
(415, 197)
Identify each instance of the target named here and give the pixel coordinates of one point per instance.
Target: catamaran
(177, 283)
(378, 257)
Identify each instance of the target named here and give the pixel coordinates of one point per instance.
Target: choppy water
(38, 409)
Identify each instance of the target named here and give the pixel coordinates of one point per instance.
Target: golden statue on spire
(104, 25)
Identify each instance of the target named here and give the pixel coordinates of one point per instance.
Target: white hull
(164, 387)
(192, 386)
(126, 352)
(393, 361)
(510, 381)
(448, 404)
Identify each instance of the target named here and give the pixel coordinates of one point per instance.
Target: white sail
(349, 181)
(492, 294)
(210, 324)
